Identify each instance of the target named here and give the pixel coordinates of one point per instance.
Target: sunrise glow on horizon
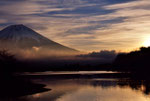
(86, 25)
(146, 43)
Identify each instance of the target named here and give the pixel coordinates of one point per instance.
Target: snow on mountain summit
(20, 36)
(17, 32)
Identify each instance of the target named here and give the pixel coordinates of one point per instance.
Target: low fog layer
(104, 55)
(24, 41)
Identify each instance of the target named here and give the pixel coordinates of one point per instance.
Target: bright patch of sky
(87, 25)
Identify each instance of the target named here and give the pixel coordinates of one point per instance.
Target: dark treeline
(13, 85)
(64, 65)
(135, 61)
(11, 67)
(10, 64)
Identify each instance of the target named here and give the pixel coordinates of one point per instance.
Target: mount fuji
(20, 37)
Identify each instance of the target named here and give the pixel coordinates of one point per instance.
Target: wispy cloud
(83, 24)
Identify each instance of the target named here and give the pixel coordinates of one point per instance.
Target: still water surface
(92, 89)
(70, 72)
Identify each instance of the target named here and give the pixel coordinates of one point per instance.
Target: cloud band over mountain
(83, 24)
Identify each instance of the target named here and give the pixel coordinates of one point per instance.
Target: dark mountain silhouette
(135, 61)
(17, 37)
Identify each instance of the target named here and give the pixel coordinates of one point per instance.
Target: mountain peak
(16, 32)
(20, 36)
(17, 27)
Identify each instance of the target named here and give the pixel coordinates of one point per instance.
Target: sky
(86, 25)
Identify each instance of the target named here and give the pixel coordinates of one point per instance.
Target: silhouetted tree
(11, 85)
(135, 61)
(7, 62)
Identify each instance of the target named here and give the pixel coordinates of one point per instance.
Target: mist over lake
(74, 50)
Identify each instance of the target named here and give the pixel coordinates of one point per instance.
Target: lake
(87, 86)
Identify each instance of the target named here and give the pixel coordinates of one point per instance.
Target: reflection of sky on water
(88, 90)
(70, 72)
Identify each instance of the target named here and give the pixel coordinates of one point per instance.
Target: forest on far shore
(134, 61)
